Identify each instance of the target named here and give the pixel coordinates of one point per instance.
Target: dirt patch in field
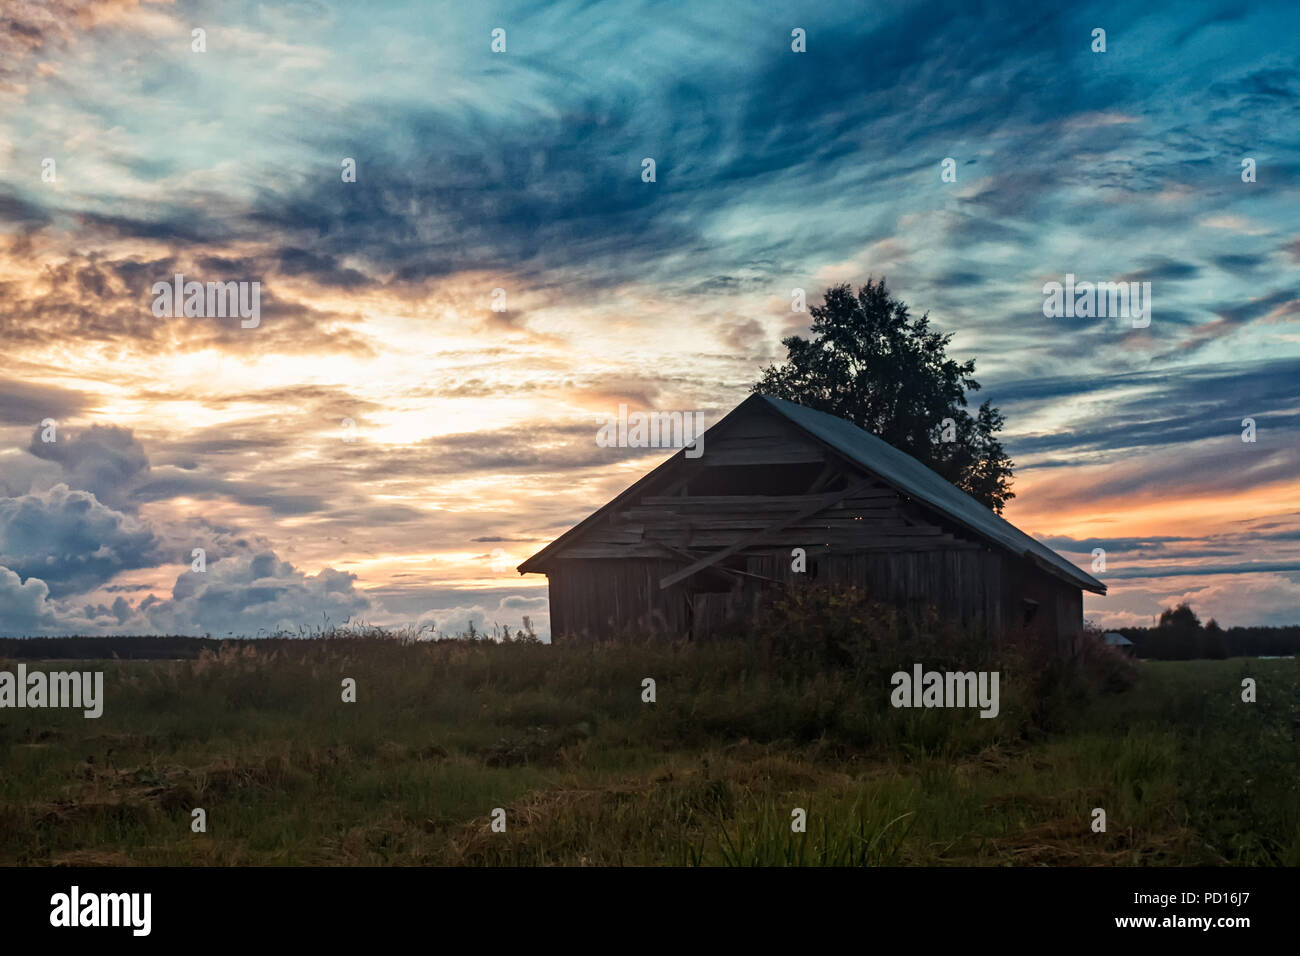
(783, 775)
(1071, 842)
(68, 813)
(91, 858)
(990, 760)
(476, 843)
(536, 745)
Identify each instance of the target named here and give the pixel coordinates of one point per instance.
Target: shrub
(813, 629)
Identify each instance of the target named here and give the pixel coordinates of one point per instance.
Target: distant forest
(174, 647)
(1180, 636)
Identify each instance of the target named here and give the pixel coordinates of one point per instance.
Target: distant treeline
(123, 648)
(1180, 636)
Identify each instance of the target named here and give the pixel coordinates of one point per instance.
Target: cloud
(102, 459)
(1240, 263)
(1162, 269)
(258, 592)
(244, 594)
(17, 210)
(48, 28)
(508, 613)
(176, 483)
(24, 606)
(775, 170)
(70, 540)
(33, 402)
(1123, 412)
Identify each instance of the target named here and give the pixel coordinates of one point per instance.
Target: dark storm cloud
(295, 262)
(1131, 428)
(1162, 270)
(103, 459)
(31, 402)
(71, 541)
(1182, 408)
(1238, 263)
(557, 194)
(1243, 312)
(28, 214)
(548, 193)
(1245, 567)
(178, 230)
(254, 494)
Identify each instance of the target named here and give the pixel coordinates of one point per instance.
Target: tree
(1180, 618)
(1185, 638)
(1216, 641)
(870, 362)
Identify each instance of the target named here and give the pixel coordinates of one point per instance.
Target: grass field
(587, 773)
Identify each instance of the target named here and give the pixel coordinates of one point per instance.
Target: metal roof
(909, 476)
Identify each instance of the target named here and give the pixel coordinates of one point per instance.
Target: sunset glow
(388, 445)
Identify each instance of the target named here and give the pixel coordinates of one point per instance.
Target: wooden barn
(698, 540)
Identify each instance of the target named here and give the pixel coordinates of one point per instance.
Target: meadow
(740, 734)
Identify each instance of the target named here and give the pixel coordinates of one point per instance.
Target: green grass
(443, 734)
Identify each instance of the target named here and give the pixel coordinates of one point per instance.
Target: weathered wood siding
(593, 599)
(1059, 614)
(976, 589)
(963, 585)
(761, 489)
(872, 519)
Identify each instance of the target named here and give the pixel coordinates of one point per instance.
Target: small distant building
(1115, 639)
(698, 540)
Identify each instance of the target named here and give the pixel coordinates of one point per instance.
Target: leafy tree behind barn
(871, 362)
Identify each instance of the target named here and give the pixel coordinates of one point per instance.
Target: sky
(395, 434)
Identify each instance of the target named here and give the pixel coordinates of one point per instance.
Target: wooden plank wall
(978, 589)
(963, 584)
(606, 583)
(1059, 618)
(593, 599)
(871, 520)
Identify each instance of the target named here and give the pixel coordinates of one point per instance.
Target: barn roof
(897, 469)
(906, 474)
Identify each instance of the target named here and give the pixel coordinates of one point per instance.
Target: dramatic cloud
(440, 337)
(71, 541)
(24, 606)
(102, 459)
(258, 593)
